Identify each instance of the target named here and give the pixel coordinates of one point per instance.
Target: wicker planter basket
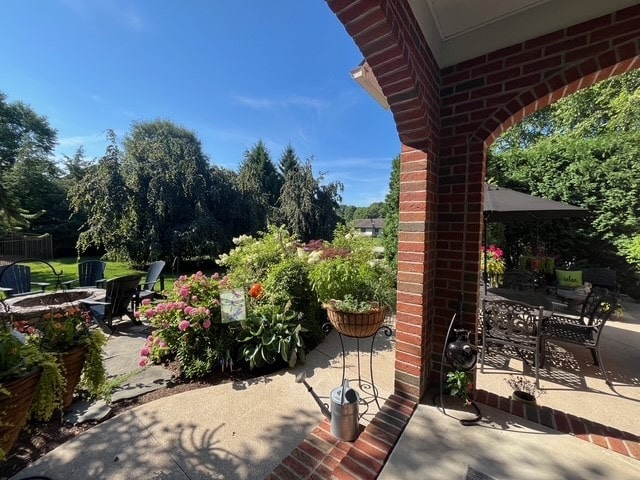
(72, 363)
(14, 409)
(359, 325)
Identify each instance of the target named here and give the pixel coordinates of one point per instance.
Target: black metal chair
(15, 280)
(558, 328)
(512, 324)
(586, 310)
(90, 274)
(119, 292)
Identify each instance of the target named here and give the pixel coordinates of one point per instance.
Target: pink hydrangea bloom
(143, 361)
(184, 324)
(146, 301)
(145, 351)
(206, 324)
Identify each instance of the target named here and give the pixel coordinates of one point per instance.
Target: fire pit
(33, 307)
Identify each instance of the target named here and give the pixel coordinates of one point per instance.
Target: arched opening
(573, 383)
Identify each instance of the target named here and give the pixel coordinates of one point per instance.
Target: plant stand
(365, 385)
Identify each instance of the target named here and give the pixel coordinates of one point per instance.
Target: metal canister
(344, 413)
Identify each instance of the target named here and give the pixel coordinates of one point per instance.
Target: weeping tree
(168, 180)
(102, 198)
(306, 207)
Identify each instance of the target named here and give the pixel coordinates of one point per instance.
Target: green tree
(392, 214)
(259, 181)
(306, 207)
(288, 161)
(19, 125)
(103, 199)
(22, 131)
(168, 180)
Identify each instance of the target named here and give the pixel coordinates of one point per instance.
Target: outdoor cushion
(569, 278)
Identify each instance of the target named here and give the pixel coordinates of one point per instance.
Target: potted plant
(524, 390)
(30, 384)
(68, 334)
(459, 385)
(354, 286)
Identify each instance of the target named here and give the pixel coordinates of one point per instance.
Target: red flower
(256, 291)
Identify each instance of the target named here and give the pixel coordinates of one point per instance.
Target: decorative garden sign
(232, 305)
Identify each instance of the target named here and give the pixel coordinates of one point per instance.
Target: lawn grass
(40, 272)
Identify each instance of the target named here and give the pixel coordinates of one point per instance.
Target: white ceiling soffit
(459, 30)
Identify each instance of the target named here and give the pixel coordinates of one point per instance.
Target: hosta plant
(271, 334)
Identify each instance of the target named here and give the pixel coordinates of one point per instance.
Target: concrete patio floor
(243, 430)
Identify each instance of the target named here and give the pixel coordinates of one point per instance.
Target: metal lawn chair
(512, 324)
(560, 329)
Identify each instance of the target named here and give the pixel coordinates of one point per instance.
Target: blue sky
(234, 72)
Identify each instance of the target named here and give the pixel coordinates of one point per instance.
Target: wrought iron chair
(586, 310)
(512, 324)
(90, 274)
(15, 280)
(147, 288)
(119, 292)
(560, 329)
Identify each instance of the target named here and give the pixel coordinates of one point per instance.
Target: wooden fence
(15, 247)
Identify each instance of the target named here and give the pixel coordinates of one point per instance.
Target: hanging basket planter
(359, 325)
(15, 406)
(72, 362)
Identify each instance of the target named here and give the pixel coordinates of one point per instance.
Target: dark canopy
(503, 205)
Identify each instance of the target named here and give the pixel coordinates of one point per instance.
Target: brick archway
(446, 119)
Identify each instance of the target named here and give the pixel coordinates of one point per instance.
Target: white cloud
(267, 103)
(118, 11)
(76, 141)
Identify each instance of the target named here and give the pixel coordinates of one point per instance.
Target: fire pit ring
(31, 308)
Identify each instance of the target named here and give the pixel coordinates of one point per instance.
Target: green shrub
(288, 282)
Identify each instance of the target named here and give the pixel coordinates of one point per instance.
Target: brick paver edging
(619, 441)
(321, 457)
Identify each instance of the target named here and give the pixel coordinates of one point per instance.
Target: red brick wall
(446, 119)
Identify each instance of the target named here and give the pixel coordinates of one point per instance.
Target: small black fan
(461, 353)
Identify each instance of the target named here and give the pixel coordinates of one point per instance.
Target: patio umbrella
(504, 205)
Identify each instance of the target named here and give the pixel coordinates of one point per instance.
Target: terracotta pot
(359, 325)
(14, 409)
(523, 397)
(72, 362)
